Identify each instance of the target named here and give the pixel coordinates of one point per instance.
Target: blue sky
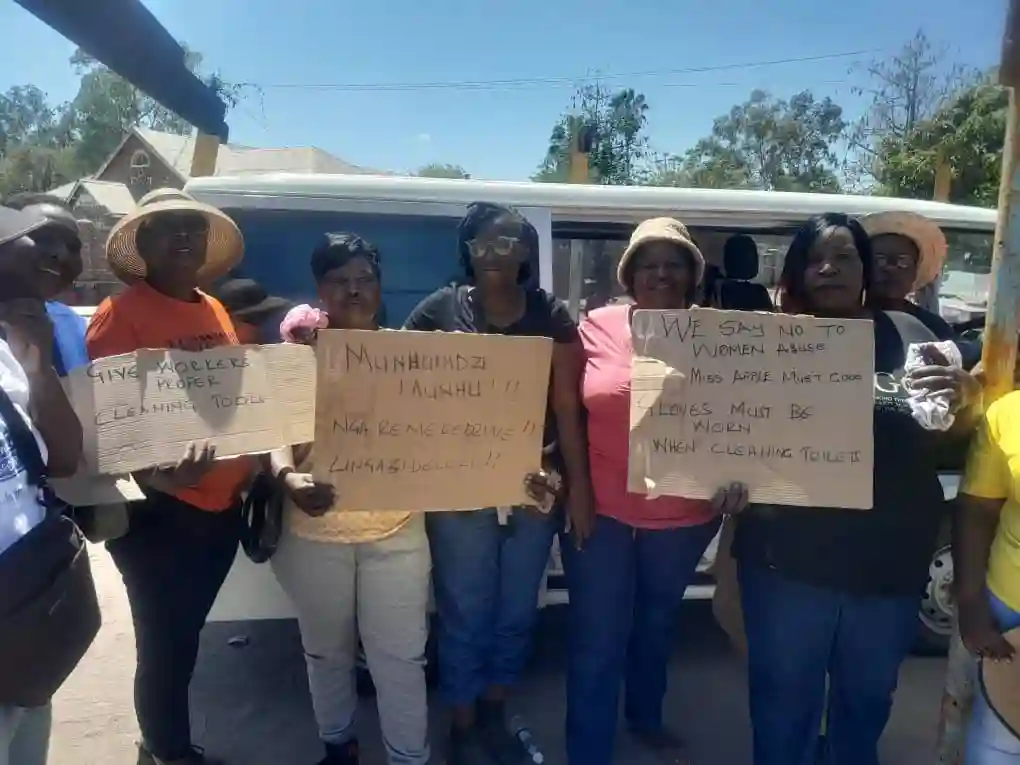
(501, 131)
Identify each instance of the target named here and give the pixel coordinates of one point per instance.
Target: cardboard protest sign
(140, 410)
(781, 403)
(417, 421)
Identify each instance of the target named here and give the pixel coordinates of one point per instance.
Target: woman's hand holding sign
(730, 500)
(940, 378)
(314, 499)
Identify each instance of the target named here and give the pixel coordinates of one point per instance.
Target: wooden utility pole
(998, 359)
(203, 161)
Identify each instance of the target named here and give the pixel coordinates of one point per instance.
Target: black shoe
(197, 756)
(466, 748)
(499, 742)
(342, 754)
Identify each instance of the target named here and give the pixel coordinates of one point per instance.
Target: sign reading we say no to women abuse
(781, 403)
(416, 421)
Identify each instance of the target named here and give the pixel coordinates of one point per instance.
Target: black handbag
(262, 512)
(49, 612)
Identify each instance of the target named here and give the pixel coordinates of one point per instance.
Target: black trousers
(173, 560)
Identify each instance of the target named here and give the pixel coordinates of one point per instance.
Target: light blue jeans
(989, 742)
(25, 735)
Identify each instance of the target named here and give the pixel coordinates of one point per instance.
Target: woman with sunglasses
(487, 566)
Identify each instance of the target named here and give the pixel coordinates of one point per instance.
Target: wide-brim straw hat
(923, 232)
(224, 247)
(1000, 684)
(660, 230)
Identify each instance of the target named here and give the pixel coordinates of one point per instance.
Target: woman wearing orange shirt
(183, 536)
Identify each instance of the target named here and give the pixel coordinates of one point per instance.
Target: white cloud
(424, 138)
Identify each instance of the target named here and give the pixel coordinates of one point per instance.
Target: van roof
(698, 207)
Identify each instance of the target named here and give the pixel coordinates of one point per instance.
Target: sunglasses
(500, 246)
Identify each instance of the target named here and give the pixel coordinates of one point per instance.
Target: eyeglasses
(900, 260)
(501, 246)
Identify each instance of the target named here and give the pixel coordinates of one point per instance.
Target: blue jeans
(486, 579)
(626, 587)
(989, 742)
(796, 633)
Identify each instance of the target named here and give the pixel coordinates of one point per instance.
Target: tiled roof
(178, 150)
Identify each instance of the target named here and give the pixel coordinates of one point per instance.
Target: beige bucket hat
(224, 248)
(1000, 684)
(661, 230)
(923, 232)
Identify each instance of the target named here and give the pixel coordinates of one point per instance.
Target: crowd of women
(828, 596)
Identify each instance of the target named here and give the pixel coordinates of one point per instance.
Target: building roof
(63, 192)
(115, 197)
(178, 150)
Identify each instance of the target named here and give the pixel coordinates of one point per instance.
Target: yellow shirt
(347, 527)
(993, 472)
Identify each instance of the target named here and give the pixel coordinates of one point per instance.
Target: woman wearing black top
(487, 575)
(908, 251)
(836, 591)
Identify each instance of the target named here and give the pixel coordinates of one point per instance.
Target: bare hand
(314, 499)
(980, 634)
(29, 332)
(730, 500)
(541, 487)
(193, 466)
(937, 378)
(304, 335)
(581, 514)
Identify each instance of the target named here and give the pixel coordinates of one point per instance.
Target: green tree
(967, 131)
(35, 140)
(107, 106)
(770, 144)
(617, 124)
(441, 170)
(903, 91)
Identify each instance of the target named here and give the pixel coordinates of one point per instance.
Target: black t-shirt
(883, 551)
(452, 309)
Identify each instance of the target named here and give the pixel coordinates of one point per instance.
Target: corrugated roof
(115, 197)
(232, 159)
(63, 192)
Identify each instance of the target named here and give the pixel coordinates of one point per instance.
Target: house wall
(96, 281)
(160, 175)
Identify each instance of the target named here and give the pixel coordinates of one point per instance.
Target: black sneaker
(197, 756)
(466, 748)
(342, 754)
(499, 742)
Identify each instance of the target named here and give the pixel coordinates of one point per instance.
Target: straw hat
(661, 230)
(1000, 684)
(923, 232)
(224, 248)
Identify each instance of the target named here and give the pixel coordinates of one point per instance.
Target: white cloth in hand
(931, 411)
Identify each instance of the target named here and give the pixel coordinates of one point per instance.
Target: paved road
(251, 703)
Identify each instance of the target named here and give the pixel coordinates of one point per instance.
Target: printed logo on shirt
(10, 465)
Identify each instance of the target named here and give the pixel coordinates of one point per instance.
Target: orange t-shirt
(141, 317)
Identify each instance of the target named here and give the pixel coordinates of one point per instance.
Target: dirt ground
(251, 702)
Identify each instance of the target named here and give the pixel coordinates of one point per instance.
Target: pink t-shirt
(608, 350)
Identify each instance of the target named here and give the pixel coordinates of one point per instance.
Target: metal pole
(998, 359)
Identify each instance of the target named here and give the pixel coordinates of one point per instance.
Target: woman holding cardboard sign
(353, 572)
(183, 537)
(830, 591)
(628, 580)
(488, 565)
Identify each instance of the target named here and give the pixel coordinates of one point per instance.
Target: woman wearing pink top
(628, 579)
